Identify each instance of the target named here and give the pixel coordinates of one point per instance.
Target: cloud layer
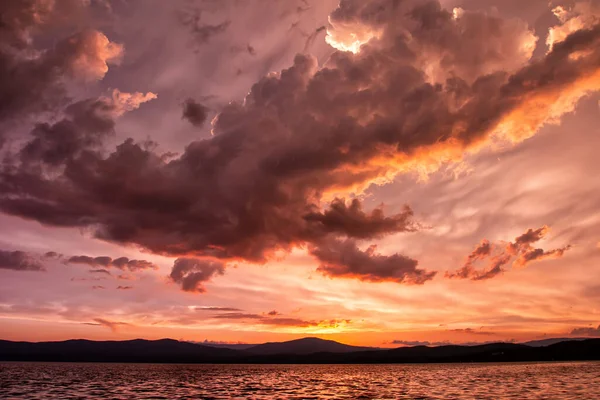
(593, 332)
(412, 86)
(19, 261)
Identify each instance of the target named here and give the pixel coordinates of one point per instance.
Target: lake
(169, 381)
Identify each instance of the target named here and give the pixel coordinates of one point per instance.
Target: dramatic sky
(378, 172)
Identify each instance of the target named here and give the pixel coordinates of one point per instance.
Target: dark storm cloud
(22, 18)
(353, 221)
(33, 80)
(19, 261)
(86, 124)
(122, 263)
(343, 259)
(425, 88)
(521, 250)
(32, 85)
(192, 273)
(194, 112)
(593, 332)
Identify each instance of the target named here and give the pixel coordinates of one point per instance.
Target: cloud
(85, 125)
(442, 43)
(269, 320)
(122, 263)
(238, 316)
(19, 261)
(122, 102)
(421, 88)
(217, 309)
(521, 250)
(344, 259)
(112, 325)
(52, 254)
(22, 20)
(593, 332)
(98, 287)
(579, 15)
(471, 331)
(124, 287)
(539, 255)
(19, 18)
(86, 55)
(34, 80)
(353, 221)
(87, 279)
(192, 273)
(195, 113)
(273, 313)
(100, 271)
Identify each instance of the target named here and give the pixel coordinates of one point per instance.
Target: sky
(378, 172)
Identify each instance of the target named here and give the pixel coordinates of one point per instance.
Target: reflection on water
(439, 381)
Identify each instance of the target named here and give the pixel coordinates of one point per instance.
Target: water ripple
(558, 381)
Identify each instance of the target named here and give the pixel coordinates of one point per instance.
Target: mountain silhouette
(548, 342)
(305, 346)
(305, 351)
(165, 350)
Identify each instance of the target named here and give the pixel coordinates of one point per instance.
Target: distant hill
(305, 346)
(165, 350)
(548, 342)
(303, 351)
(234, 346)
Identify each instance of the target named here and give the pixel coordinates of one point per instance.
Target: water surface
(554, 381)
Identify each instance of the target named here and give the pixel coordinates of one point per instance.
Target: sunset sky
(377, 172)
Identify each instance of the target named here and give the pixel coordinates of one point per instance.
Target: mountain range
(305, 351)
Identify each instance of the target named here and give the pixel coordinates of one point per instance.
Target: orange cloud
(522, 248)
(112, 325)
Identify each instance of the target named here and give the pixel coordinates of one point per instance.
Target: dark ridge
(303, 351)
(548, 342)
(161, 351)
(305, 346)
